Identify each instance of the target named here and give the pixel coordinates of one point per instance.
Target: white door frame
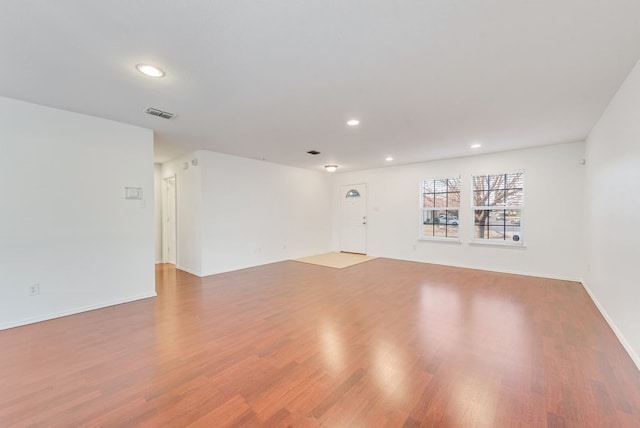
(169, 220)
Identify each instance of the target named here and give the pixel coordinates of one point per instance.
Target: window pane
(497, 181)
(496, 217)
(481, 232)
(440, 200)
(440, 186)
(515, 197)
(445, 231)
(480, 198)
(515, 180)
(481, 217)
(448, 217)
(427, 230)
(480, 182)
(454, 199)
(429, 201)
(428, 216)
(440, 231)
(515, 193)
(428, 186)
(454, 184)
(497, 197)
(498, 224)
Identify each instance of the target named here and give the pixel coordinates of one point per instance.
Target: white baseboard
(613, 326)
(73, 311)
(507, 271)
(191, 271)
(524, 273)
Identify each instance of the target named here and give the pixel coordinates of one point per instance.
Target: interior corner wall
(65, 223)
(612, 204)
(188, 219)
(552, 218)
(256, 212)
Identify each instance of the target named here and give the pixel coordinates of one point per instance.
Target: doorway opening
(169, 214)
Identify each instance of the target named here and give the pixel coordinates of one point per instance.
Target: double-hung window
(440, 204)
(498, 201)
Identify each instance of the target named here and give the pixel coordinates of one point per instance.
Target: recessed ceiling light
(331, 168)
(388, 158)
(476, 146)
(150, 70)
(353, 122)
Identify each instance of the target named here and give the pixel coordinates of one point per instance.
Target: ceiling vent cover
(155, 112)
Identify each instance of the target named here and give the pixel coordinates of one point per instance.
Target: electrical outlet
(34, 290)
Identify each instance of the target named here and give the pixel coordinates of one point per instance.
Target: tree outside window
(498, 201)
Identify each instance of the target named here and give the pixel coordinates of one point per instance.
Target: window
(440, 203)
(498, 201)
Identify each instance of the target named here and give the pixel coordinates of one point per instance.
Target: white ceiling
(274, 79)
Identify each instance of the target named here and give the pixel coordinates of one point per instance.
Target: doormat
(336, 260)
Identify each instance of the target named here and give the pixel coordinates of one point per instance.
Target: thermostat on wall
(133, 192)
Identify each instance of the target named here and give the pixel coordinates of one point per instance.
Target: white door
(353, 234)
(169, 230)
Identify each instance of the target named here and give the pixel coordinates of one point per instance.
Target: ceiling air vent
(155, 112)
(313, 152)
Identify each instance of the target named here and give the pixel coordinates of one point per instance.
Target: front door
(353, 233)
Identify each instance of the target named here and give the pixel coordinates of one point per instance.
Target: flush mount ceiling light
(353, 122)
(331, 168)
(150, 70)
(476, 145)
(388, 158)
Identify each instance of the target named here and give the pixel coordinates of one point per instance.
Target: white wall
(235, 213)
(612, 204)
(552, 219)
(64, 222)
(256, 212)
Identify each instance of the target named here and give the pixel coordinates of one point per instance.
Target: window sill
(442, 240)
(492, 243)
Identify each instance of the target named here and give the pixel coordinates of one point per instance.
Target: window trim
(495, 242)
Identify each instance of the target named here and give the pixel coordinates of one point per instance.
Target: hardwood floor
(382, 343)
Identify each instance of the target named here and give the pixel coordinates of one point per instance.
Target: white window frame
(501, 242)
(422, 209)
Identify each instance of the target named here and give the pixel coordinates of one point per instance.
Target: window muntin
(440, 205)
(498, 201)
